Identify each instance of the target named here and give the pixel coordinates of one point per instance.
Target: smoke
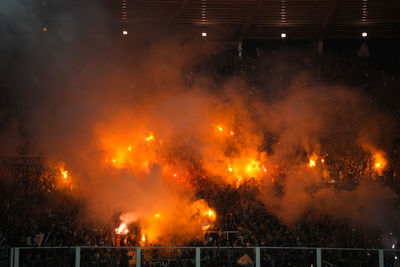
(132, 119)
(321, 124)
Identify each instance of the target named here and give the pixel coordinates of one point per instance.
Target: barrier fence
(197, 256)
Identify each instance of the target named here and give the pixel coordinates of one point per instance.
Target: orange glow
(253, 168)
(157, 215)
(313, 160)
(143, 238)
(220, 128)
(64, 173)
(122, 229)
(238, 182)
(232, 133)
(230, 169)
(205, 227)
(130, 148)
(150, 137)
(201, 208)
(175, 175)
(211, 214)
(126, 218)
(379, 162)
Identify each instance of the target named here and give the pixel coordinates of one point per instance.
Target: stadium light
(125, 32)
(364, 34)
(204, 34)
(283, 35)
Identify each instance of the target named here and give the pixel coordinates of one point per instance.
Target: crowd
(243, 220)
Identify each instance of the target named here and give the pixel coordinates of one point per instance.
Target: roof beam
(328, 18)
(250, 20)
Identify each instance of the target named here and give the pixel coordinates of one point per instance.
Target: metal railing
(199, 256)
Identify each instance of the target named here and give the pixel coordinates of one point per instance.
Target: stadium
(200, 133)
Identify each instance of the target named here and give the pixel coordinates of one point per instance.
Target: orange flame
(210, 214)
(379, 163)
(122, 229)
(313, 160)
(126, 219)
(64, 174)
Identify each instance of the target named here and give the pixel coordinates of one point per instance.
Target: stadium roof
(264, 19)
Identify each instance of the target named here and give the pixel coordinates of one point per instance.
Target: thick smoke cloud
(124, 120)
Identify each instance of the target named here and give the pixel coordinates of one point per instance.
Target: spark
(220, 128)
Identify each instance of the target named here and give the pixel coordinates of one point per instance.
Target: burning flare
(126, 218)
(313, 160)
(64, 173)
(379, 163)
(150, 137)
(122, 229)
